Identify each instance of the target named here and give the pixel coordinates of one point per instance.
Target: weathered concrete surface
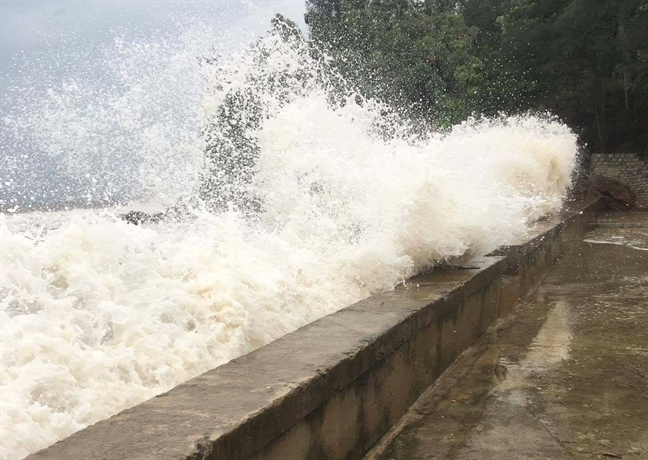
(566, 379)
(331, 389)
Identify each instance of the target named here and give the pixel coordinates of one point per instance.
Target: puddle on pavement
(634, 238)
(549, 348)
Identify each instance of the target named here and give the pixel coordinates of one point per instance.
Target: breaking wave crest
(99, 315)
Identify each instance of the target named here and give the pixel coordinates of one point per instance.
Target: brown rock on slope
(620, 196)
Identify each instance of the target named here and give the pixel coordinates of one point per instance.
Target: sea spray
(99, 315)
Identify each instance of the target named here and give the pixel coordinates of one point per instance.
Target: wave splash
(321, 207)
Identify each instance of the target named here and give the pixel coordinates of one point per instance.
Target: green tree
(397, 51)
(586, 61)
(442, 60)
(230, 131)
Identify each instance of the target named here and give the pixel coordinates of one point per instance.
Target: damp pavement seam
(442, 386)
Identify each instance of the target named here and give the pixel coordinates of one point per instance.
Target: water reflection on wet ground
(564, 378)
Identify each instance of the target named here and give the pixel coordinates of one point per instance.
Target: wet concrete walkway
(566, 377)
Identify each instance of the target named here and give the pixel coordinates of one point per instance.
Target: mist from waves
(99, 315)
(96, 118)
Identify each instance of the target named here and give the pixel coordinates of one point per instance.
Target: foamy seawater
(99, 315)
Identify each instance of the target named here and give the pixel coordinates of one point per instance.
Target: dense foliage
(443, 60)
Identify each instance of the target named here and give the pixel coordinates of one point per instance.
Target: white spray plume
(99, 315)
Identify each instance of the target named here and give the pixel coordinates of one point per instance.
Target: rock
(619, 196)
(140, 217)
(183, 210)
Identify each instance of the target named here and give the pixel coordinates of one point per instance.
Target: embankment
(332, 388)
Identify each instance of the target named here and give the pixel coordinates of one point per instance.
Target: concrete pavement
(565, 377)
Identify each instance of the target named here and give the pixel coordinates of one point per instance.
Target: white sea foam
(99, 315)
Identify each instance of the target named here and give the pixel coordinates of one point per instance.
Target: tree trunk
(597, 112)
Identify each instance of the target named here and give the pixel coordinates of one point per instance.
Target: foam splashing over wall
(99, 315)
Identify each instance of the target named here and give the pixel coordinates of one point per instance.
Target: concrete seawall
(331, 389)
